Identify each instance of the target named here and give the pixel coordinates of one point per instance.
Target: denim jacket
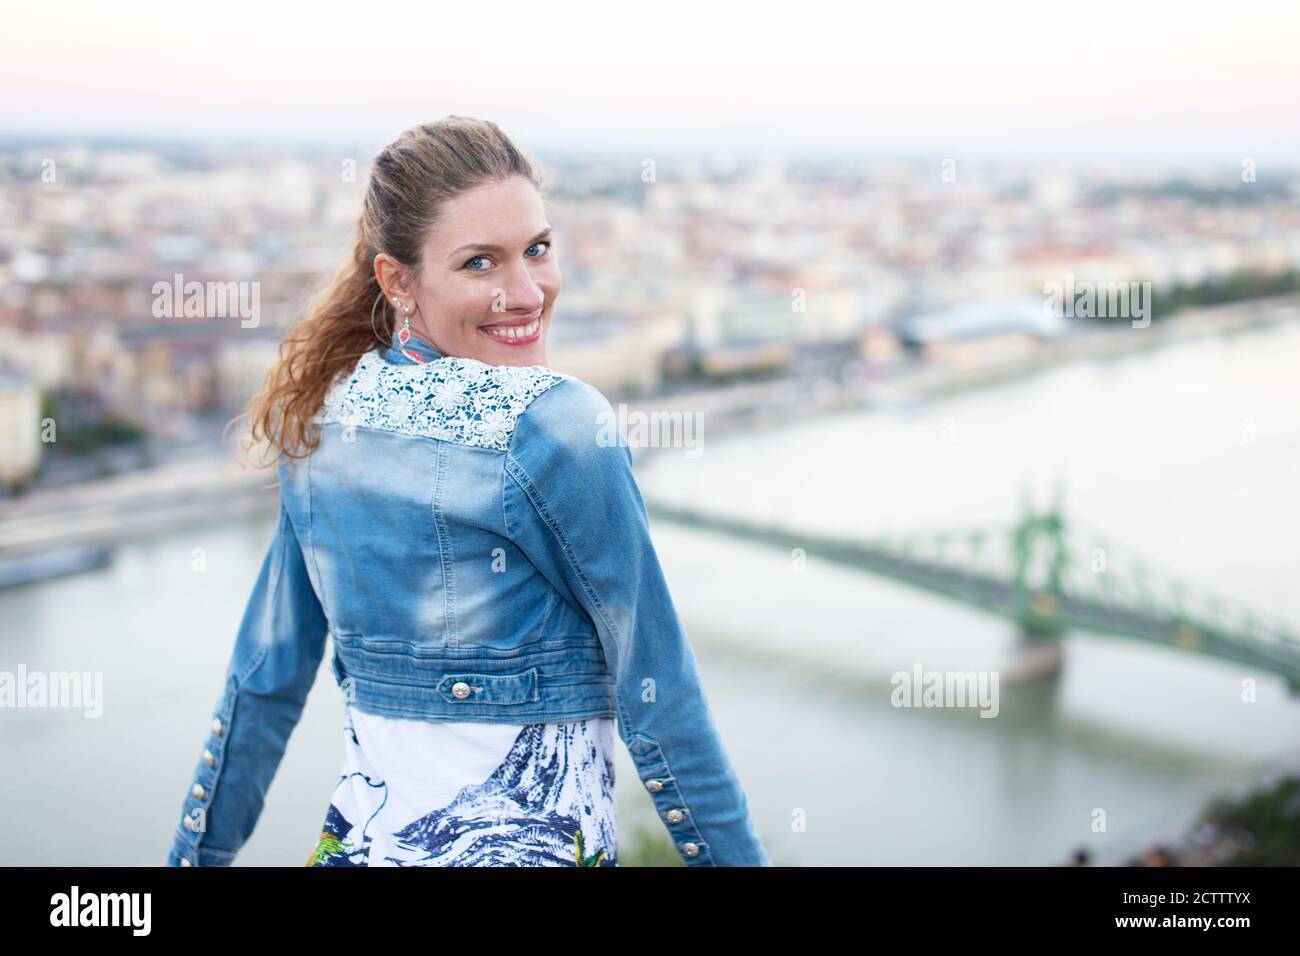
(476, 545)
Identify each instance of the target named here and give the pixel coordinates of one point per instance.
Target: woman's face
(489, 277)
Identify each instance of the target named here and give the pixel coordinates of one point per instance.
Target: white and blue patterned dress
(438, 793)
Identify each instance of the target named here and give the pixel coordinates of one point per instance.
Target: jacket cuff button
(460, 690)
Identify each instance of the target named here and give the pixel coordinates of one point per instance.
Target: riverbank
(769, 403)
(1101, 343)
(110, 510)
(1254, 824)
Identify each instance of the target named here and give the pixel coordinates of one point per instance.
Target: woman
(451, 514)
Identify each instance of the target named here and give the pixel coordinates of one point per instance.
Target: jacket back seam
(446, 557)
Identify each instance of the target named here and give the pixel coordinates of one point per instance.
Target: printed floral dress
(433, 793)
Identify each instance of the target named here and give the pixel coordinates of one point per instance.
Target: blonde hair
(410, 180)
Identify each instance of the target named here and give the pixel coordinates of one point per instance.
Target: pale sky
(1112, 79)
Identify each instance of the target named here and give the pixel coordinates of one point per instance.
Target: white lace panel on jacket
(452, 398)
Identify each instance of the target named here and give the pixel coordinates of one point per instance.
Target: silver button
(675, 816)
(460, 689)
(691, 849)
(208, 758)
(216, 726)
(184, 862)
(198, 791)
(654, 786)
(189, 823)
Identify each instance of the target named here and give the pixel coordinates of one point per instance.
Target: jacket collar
(415, 346)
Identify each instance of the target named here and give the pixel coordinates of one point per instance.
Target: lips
(521, 320)
(517, 331)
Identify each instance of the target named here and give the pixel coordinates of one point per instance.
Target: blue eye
(547, 244)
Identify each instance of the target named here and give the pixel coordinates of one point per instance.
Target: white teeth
(514, 332)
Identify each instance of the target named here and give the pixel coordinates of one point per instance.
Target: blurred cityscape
(681, 274)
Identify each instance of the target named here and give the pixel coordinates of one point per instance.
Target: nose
(521, 293)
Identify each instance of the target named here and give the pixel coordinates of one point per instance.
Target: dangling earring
(405, 332)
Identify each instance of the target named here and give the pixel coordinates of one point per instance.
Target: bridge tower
(1040, 555)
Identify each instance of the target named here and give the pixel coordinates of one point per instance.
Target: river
(796, 662)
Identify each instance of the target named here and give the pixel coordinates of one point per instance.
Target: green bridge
(1046, 579)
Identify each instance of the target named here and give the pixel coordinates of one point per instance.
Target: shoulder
(572, 418)
(569, 457)
(454, 399)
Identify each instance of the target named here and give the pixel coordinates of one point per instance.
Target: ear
(391, 276)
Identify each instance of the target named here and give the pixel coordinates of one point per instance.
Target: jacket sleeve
(278, 648)
(572, 505)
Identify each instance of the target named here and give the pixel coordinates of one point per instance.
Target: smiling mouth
(514, 334)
